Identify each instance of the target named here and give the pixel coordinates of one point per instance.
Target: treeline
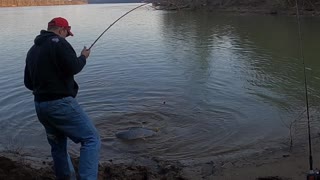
(8, 3)
(305, 4)
(277, 3)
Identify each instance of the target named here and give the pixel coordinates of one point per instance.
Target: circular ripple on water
(110, 125)
(178, 136)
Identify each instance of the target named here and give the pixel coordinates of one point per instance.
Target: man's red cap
(61, 22)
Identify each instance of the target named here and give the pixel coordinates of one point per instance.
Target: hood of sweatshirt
(43, 36)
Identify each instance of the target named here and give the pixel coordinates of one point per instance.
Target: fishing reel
(313, 175)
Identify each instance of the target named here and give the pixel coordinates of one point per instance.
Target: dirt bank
(15, 166)
(272, 164)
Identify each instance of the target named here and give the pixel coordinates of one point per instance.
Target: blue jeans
(64, 118)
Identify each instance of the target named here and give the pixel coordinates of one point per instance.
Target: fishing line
(115, 23)
(305, 85)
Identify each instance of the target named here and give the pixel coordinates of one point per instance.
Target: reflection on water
(210, 84)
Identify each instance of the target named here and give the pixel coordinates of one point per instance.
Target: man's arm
(67, 57)
(27, 79)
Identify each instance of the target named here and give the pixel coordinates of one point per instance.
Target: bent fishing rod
(115, 23)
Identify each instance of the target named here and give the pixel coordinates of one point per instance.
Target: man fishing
(51, 64)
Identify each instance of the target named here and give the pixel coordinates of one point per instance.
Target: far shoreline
(248, 9)
(40, 6)
(235, 10)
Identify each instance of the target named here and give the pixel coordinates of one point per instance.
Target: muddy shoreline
(271, 164)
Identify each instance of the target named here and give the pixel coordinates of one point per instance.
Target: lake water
(210, 84)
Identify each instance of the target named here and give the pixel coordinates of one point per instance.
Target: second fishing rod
(313, 174)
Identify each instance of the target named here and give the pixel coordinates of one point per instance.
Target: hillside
(309, 7)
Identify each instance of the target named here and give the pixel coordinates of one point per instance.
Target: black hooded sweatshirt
(51, 64)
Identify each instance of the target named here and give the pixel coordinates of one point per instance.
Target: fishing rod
(115, 23)
(305, 83)
(313, 174)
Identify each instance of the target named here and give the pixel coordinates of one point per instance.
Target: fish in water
(135, 133)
